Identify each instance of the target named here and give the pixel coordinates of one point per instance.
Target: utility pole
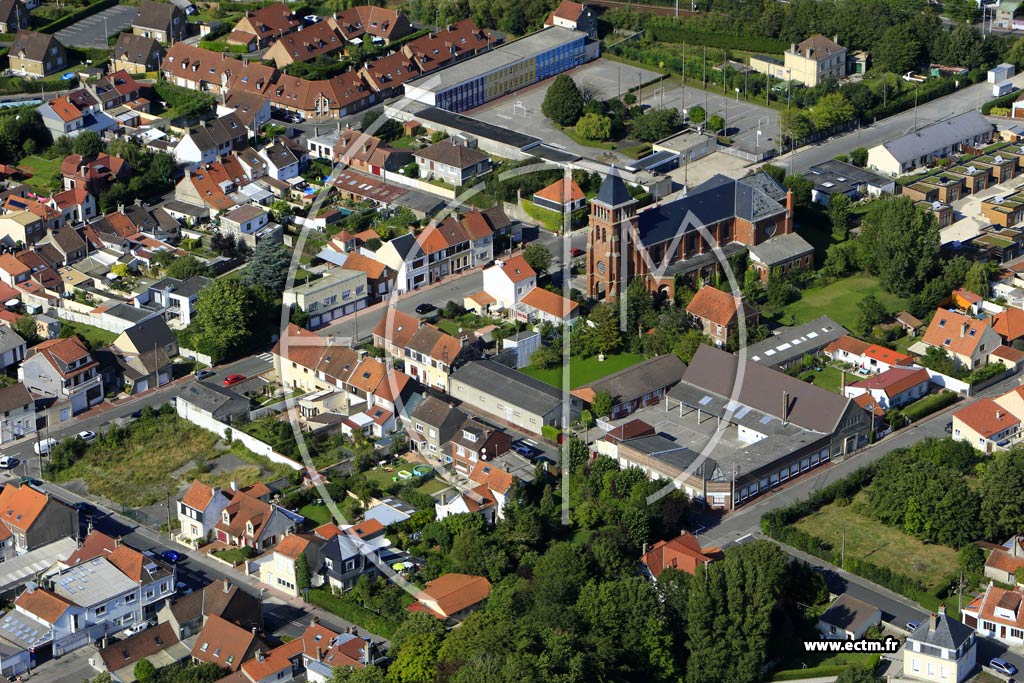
(916, 88)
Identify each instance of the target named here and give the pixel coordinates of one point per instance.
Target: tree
(655, 124)
(801, 188)
(978, 277)
(185, 267)
(269, 267)
(144, 671)
(538, 257)
(602, 404)
(859, 157)
(602, 334)
(1002, 495)
(563, 102)
(716, 124)
(594, 127)
(898, 50)
(776, 173)
(963, 45)
(832, 110)
(870, 312)
(88, 143)
(302, 572)
(899, 242)
(1015, 55)
(795, 124)
(839, 212)
(688, 344)
(639, 306)
(27, 329)
(223, 321)
(696, 114)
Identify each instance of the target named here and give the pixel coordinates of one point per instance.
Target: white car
(45, 446)
(312, 18)
(8, 462)
(87, 435)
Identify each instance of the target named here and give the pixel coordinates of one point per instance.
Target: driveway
(93, 31)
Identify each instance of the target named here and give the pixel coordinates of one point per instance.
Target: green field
(830, 378)
(585, 370)
(42, 171)
(93, 336)
(882, 545)
(839, 301)
(319, 514)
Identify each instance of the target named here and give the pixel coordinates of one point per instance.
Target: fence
(102, 321)
(947, 382)
(417, 184)
(206, 421)
(195, 355)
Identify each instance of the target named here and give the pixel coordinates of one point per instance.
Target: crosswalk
(266, 357)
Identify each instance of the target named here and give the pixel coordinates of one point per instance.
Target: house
(474, 442)
(682, 553)
(380, 280)
(210, 186)
(986, 425)
(941, 139)
(250, 224)
(782, 255)
(161, 21)
(834, 177)
(278, 569)
(61, 117)
(211, 140)
(63, 245)
(19, 413)
(510, 396)
(305, 45)
(432, 354)
(967, 301)
(269, 23)
(511, 285)
(716, 312)
(199, 511)
(574, 16)
(968, 341)
(452, 162)
(940, 649)
(363, 152)
(34, 518)
(225, 644)
(637, 386)
(206, 404)
(479, 499)
(136, 54)
(562, 195)
(221, 598)
(96, 174)
(452, 596)
(282, 163)
(13, 16)
(36, 54)
(386, 75)
(158, 643)
(789, 345)
(76, 205)
(250, 521)
(343, 561)
(452, 44)
(1009, 325)
(176, 298)
(389, 511)
(252, 109)
(381, 24)
(1004, 562)
(64, 369)
(12, 348)
(433, 424)
(339, 292)
(815, 60)
(848, 618)
(893, 388)
(997, 614)
(737, 213)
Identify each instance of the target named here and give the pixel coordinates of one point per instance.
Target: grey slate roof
(613, 190)
(440, 414)
(849, 614)
(213, 399)
(948, 633)
(780, 249)
(938, 135)
(515, 388)
(218, 132)
(789, 343)
(715, 200)
(155, 15)
(150, 334)
(136, 49)
(642, 378)
(669, 452)
(9, 339)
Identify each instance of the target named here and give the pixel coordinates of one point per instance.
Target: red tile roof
(894, 381)
(42, 603)
(1009, 324)
(198, 495)
(223, 643)
(888, 356)
(714, 305)
(453, 593)
(516, 269)
(963, 333)
(850, 345)
(550, 303)
(557, 191)
(682, 552)
(20, 506)
(986, 417)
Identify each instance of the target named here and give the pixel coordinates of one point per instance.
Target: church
(673, 241)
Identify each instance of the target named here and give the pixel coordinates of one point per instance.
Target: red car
(232, 380)
(576, 251)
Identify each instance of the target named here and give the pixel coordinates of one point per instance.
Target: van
(45, 446)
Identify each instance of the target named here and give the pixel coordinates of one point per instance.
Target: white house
(199, 511)
(940, 139)
(210, 141)
(19, 413)
(509, 280)
(941, 649)
(997, 613)
(282, 163)
(338, 293)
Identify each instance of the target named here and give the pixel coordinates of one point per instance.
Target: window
(101, 610)
(130, 598)
(350, 565)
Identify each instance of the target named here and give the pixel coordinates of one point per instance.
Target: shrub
(928, 405)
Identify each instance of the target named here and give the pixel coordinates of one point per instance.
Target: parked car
(425, 309)
(172, 556)
(87, 435)
(84, 507)
(8, 462)
(1002, 666)
(293, 118)
(526, 450)
(912, 625)
(232, 380)
(949, 427)
(44, 446)
(183, 588)
(29, 481)
(204, 374)
(576, 251)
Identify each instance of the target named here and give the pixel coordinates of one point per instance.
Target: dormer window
(249, 528)
(468, 435)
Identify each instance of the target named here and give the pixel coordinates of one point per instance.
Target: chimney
(117, 542)
(785, 407)
(999, 415)
(444, 499)
(792, 48)
(933, 621)
(234, 485)
(314, 620)
(227, 585)
(319, 654)
(835, 39)
(254, 630)
(366, 652)
(259, 655)
(942, 609)
(963, 329)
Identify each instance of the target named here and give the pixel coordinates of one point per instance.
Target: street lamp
(737, 94)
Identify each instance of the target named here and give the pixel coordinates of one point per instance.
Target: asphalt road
(93, 31)
(959, 102)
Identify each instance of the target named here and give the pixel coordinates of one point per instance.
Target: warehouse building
(503, 70)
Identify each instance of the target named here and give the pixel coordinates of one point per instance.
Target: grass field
(42, 171)
(318, 514)
(839, 301)
(94, 336)
(830, 378)
(822, 664)
(585, 370)
(882, 545)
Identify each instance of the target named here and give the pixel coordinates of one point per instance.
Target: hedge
(345, 608)
(65, 21)
(928, 405)
(1004, 101)
(724, 41)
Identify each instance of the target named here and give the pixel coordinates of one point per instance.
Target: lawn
(433, 486)
(318, 514)
(822, 664)
(830, 378)
(93, 336)
(42, 171)
(882, 545)
(585, 370)
(551, 221)
(839, 301)
(233, 556)
(382, 477)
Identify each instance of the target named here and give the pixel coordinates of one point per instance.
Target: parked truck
(1000, 89)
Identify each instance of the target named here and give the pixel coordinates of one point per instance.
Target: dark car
(203, 374)
(29, 481)
(1002, 666)
(232, 380)
(85, 508)
(949, 427)
(172, 556)
(526, 450)
(424, 309)
(576, 251)
(136, 415)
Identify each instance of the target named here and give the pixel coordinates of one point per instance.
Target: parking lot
(93, 31)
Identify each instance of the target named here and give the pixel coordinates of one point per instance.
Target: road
(959, 102)
(93, 31)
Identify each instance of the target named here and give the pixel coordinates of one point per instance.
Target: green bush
(986, 372)
(1004, 101)
(348, 609)
(551, 433)
(928, 405)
